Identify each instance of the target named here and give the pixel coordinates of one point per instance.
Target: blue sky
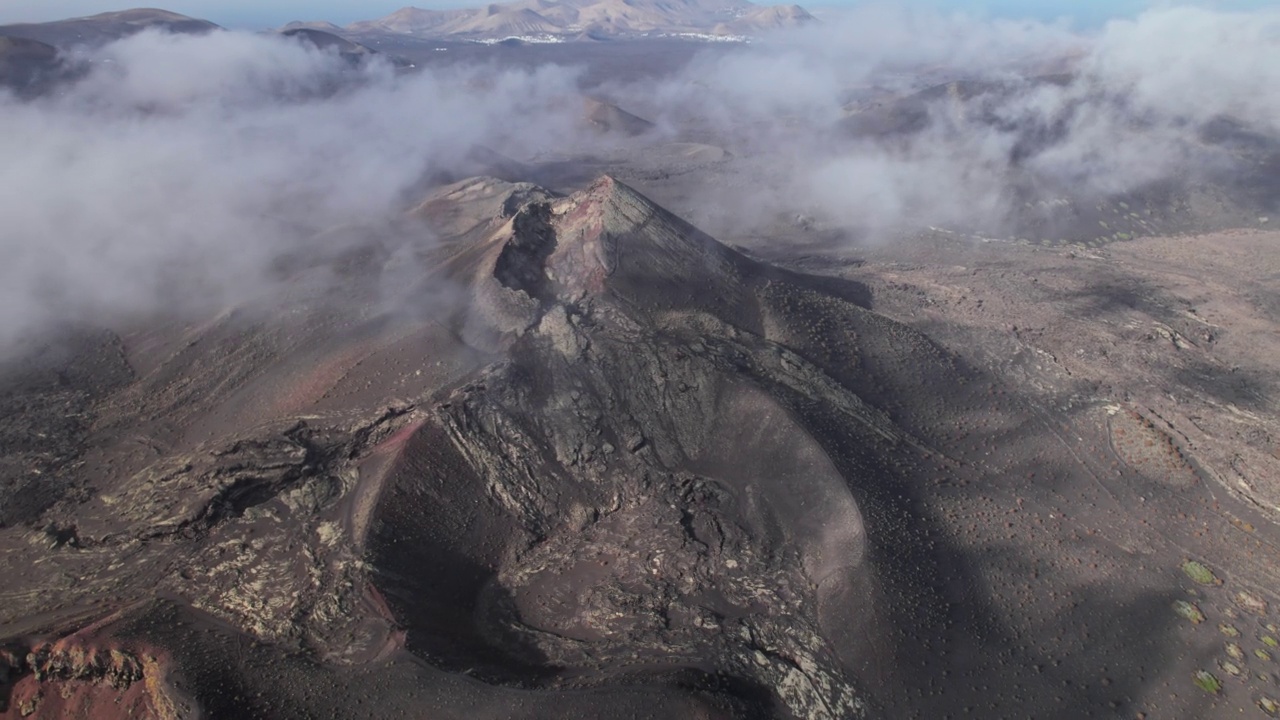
(267, 13)
(1083, 12)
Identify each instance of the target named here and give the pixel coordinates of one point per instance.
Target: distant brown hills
(34, 57)
(547, 20)
(105, 27)
(569, 18)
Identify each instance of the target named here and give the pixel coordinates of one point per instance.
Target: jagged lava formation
(521, 455)
(603, 462)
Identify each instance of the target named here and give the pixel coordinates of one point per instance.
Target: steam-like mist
(1039, 111)
(180, 166)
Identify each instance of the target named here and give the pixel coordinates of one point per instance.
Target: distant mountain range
(532, 20)
(568, 19)
(105, 27)
(32, 59)
(35, 57)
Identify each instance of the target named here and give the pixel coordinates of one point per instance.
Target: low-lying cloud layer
(179, 167)
(1039, 108)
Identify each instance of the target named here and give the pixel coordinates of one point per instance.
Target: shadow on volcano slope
(688, 484)
(673, 472)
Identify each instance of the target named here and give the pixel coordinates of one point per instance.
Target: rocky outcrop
(83, 676)
(113, 667)
(640, 490)
(596, 18)
(636, 472)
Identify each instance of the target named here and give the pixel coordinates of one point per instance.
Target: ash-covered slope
(607, 117)
(641, 497)
(521, 455)
(602, 460)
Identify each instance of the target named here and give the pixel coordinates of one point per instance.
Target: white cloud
(1129, 116)
(173, 174)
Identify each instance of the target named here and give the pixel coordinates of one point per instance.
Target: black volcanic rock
(594, 465)
(520, 454)
(648, 495)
